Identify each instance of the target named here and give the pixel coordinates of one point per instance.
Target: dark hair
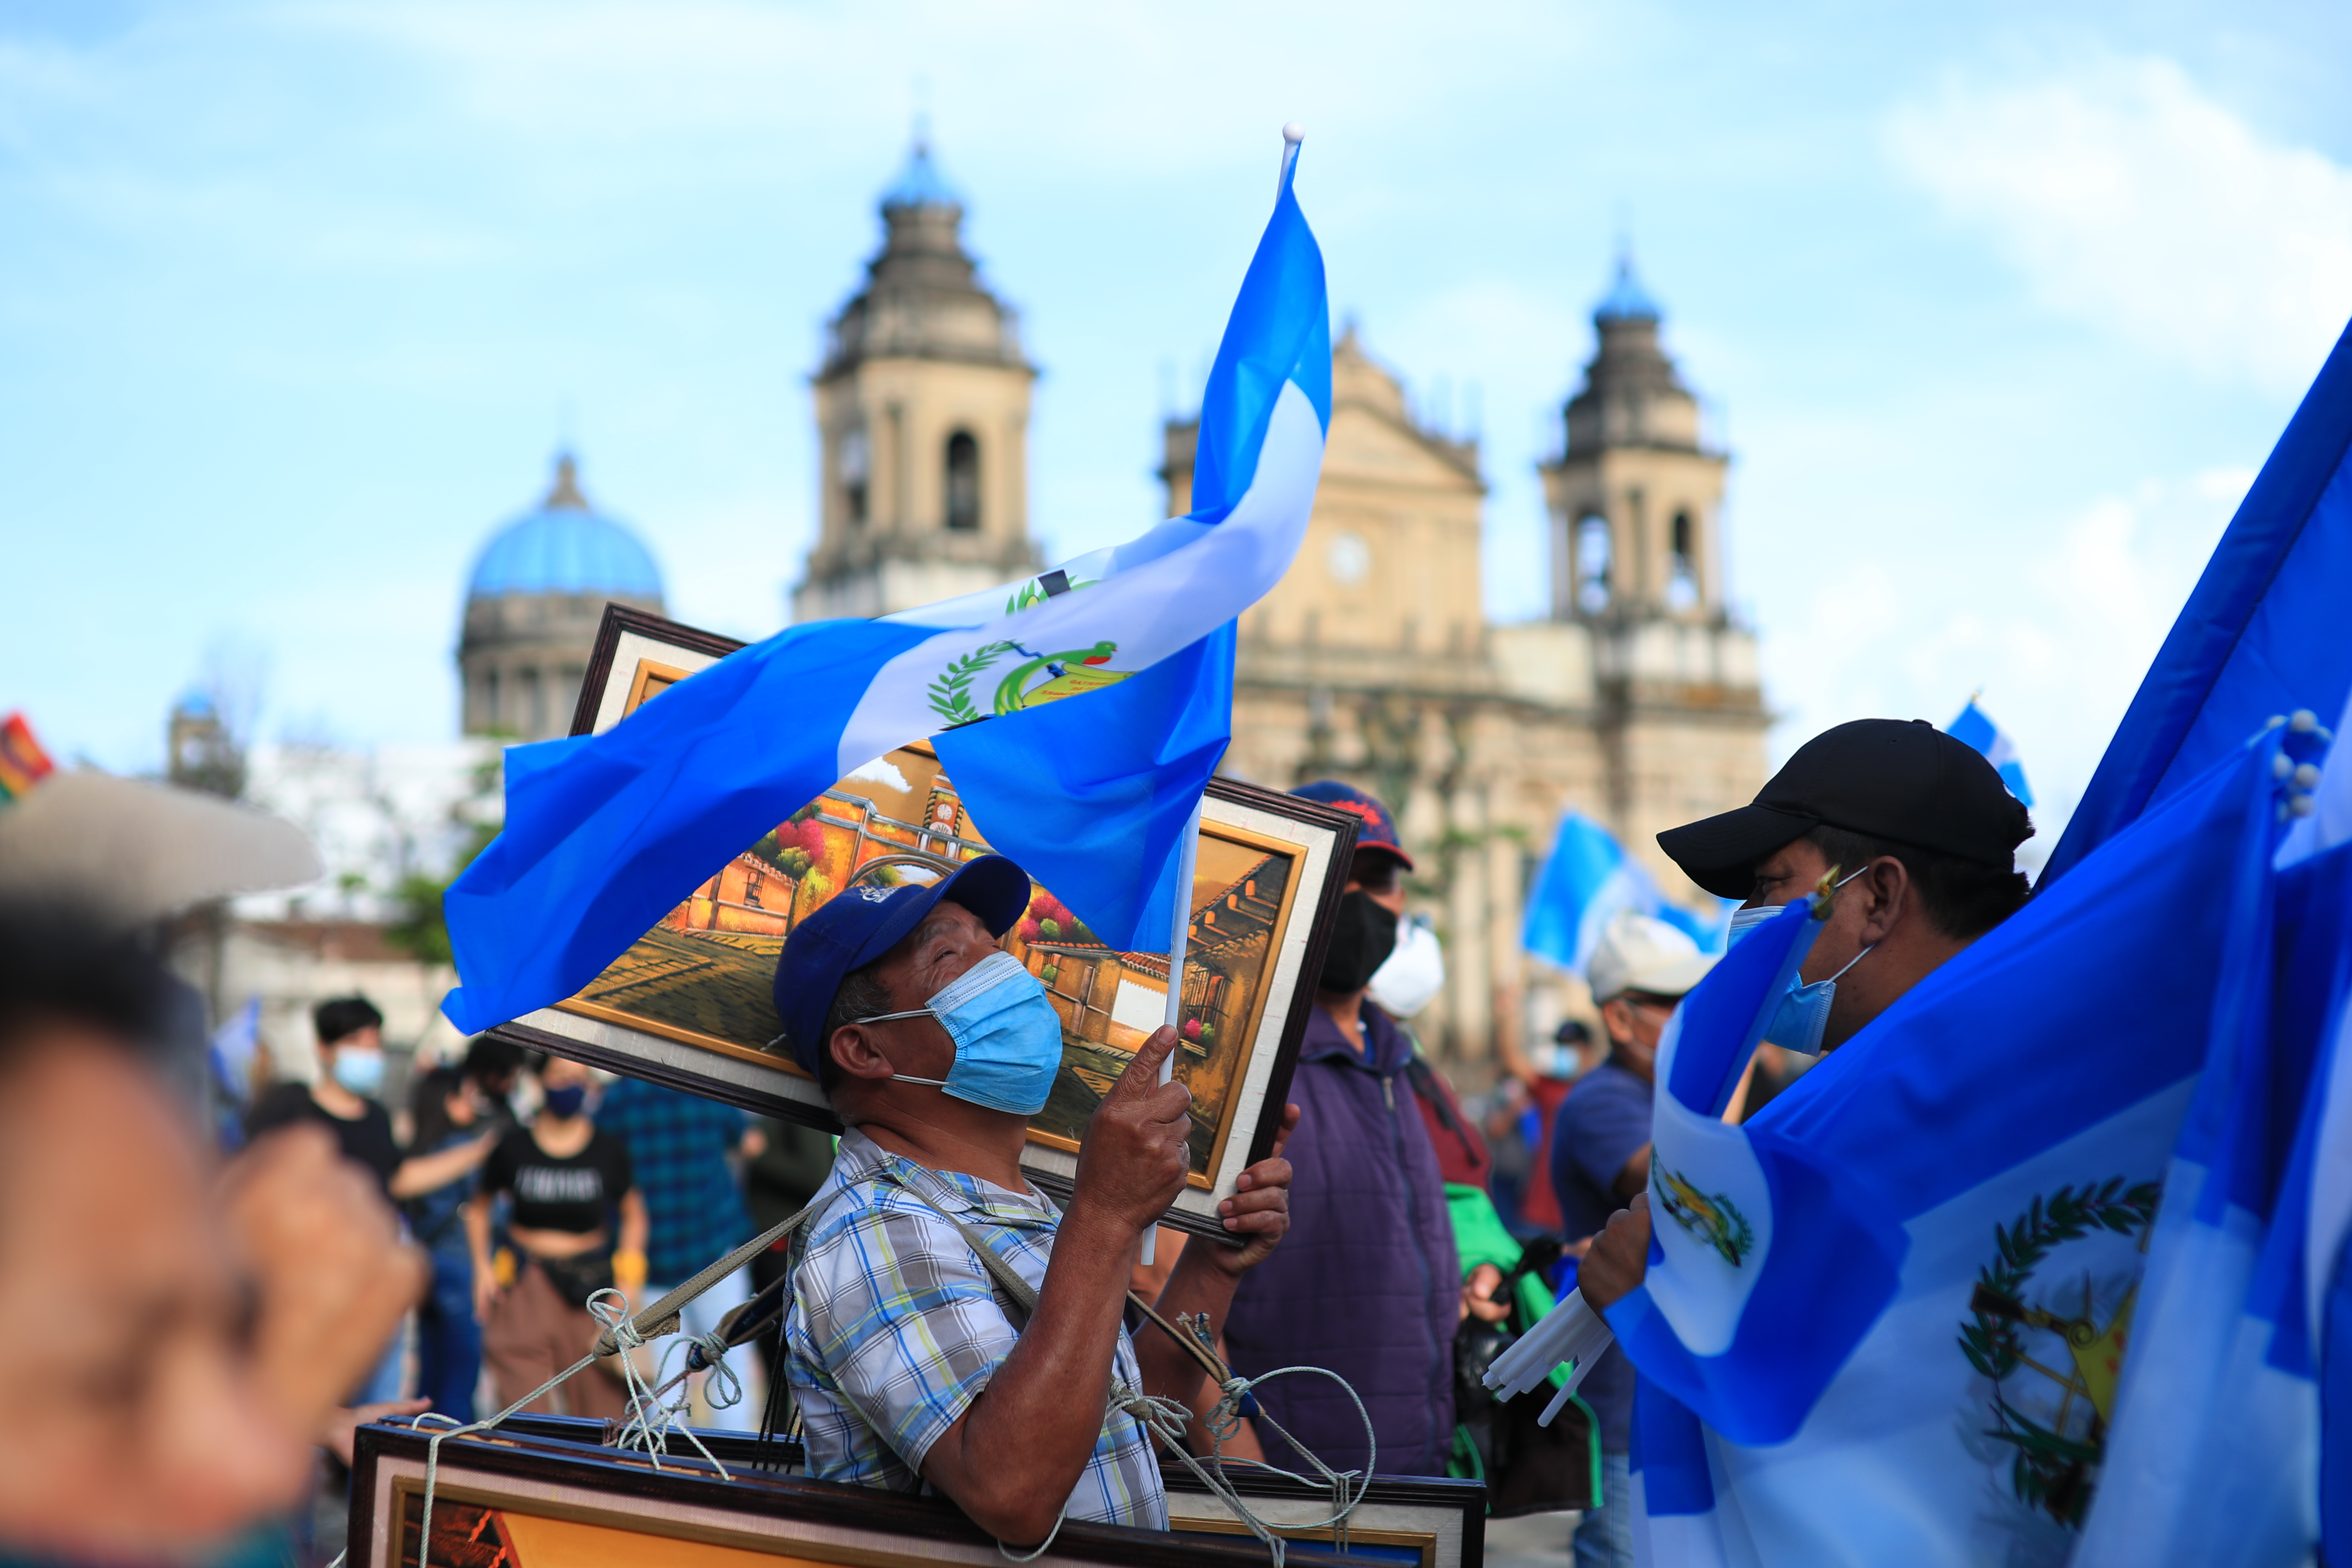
(860, 994)
(487, 1059)
(1964, 898)
(1572, 1031)
(1375, 868)
(340, 1019)
(60, 964)
(428, 1107)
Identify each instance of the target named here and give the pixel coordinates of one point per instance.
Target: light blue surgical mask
(1804, 1012)
(1008, 1038)
(361, 1071)
(1744, 921)
(1799, 1022)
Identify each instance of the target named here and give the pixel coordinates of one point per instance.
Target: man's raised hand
(1137, 1153)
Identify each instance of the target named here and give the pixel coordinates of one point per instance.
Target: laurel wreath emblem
(951, 694)
(2051, 1471)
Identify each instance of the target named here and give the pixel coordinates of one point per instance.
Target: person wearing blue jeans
(447, 1107)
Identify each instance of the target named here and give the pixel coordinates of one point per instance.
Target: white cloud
(2057, 639)
(2133, 201)
(883, 771)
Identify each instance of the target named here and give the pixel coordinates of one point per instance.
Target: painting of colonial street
(703, 974)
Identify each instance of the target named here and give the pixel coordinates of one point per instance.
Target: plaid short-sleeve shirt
(895, 1329)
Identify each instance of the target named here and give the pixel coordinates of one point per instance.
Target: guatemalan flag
(1092, 795)
(1586, 882)
(1974, 728)
(1884, 1319)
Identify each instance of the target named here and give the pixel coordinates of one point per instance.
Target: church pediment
(1375, 447)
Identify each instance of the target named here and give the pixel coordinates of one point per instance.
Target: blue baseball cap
(858, 925)
(1378, 828)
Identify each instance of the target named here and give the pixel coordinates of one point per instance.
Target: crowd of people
(213, 1319)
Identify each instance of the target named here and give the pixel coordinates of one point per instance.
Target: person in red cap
(1922, 836)
(1369, 1282)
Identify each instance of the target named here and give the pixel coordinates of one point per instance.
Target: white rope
(652, 1420)
(625, 1336)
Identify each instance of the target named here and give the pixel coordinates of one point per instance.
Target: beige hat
(1638, 954)
(140, 851)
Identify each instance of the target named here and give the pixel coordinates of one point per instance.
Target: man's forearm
(1015, 1456)
(1199, 1283)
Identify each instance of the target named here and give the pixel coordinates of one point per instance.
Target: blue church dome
(565, 548)
(1626, 300)
(920, 183)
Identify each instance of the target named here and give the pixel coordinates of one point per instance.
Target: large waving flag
(2213, 1458)
(604, 833)
(1883, 1318)
(1587, 879)
(2263, 632)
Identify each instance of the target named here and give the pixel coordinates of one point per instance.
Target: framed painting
(514, 1501)
(690, 1003)
(1406, 1521)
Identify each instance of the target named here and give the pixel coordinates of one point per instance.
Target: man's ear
(1892, 896)
(856, 1054)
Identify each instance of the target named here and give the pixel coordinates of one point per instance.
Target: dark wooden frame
(627, 1482)
(1467, 1499)
(621, 620)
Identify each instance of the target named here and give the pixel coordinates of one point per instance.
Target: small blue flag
(1586, 881)
(1976, 728)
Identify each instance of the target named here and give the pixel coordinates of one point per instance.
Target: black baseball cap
(1906, 782)
(858, 925)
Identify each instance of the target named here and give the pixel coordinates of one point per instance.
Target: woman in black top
(566, 1181)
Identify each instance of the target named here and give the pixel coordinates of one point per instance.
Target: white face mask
(1412, 975)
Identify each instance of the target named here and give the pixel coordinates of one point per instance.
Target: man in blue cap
(913, 1371)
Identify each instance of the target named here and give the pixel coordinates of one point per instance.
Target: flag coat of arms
(1081, 711)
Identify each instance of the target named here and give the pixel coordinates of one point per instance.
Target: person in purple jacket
(1367, 1283)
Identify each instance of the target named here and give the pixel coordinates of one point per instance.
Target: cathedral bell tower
(1637, 504)
(922, 409)
(1635, 494)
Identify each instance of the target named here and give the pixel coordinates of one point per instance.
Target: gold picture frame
(689, 1003)
(515, 1501)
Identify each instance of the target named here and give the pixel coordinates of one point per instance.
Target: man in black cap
(911, 1368)
(1922, 836)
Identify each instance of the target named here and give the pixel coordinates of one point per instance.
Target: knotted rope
(651, 1419)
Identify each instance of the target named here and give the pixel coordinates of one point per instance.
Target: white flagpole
(1179, 938)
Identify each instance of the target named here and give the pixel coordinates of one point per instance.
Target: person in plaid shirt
(680, 1146)
(911, 1370)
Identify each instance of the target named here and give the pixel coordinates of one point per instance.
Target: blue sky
(1998, 306)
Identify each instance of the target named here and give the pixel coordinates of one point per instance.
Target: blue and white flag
(1974, 728)
(1586, 882)
(604, 833)
(2213, 1455)
(1883, 1320)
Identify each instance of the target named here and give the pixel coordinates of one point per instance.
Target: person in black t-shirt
(351, 1062)
(566, 1182)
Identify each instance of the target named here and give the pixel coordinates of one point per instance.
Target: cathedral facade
(1635, 700)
